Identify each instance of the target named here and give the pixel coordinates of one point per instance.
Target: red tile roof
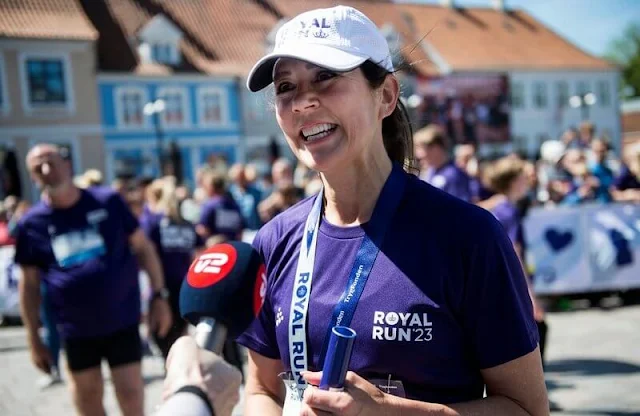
(220, 36)
(45, 19)
(477, 39)
(228, 36)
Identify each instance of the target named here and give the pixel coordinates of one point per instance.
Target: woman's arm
(513, 388)
(264, 390)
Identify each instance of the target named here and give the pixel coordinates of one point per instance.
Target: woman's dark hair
(397, 132)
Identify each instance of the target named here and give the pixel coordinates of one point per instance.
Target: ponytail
(397, 132)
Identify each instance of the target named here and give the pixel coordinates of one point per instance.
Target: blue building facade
(199, 114)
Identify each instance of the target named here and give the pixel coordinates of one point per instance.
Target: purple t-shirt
(450, 179)
(85, 260)
(445, 298)
(478, 191)
(175, 243)
(626, 180)
(221, 215)
(507, 213)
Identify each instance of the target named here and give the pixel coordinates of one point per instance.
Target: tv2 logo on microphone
(212, 266)
(211, 263)
(259, 289)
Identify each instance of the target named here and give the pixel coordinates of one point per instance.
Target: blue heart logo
(558, 240)
(624, 255)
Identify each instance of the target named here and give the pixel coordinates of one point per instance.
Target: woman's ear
(390, 93)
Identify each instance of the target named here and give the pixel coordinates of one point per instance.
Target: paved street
(593, 369)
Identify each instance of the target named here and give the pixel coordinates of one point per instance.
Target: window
(604, 94)
(164, 53)
(175, 102)
(46, 81)
(212, 103)
(539, 95)
(130, 102)
(582, 88)
(517, 95)
(562, 91)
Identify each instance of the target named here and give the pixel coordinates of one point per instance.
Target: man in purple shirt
(436, 166)
(220, 215)
(85, 245)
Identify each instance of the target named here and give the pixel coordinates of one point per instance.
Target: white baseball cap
(340, 38)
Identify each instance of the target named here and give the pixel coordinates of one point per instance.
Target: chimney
(498, 5)
(448, 3)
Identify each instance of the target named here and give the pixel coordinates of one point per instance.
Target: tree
(625, 52)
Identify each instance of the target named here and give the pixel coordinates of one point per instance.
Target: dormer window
(164, 53)
(159, 41)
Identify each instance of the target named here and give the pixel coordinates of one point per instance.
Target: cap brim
(329, 57)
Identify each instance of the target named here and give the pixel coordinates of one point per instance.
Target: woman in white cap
(430, 284)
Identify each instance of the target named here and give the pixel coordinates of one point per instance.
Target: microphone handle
(211, 335)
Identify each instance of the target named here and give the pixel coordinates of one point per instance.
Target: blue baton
(337, 359)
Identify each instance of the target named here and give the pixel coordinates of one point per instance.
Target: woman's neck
(351, 194)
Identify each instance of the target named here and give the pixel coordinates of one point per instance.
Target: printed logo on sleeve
(400, 326)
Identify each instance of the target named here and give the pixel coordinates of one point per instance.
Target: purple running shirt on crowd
(84, 258)
(450, 179)
(507, 214)
(446, 296)
(221, 215)
(175, 243)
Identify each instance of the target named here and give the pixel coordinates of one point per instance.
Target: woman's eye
(283, 87)
(325, 75)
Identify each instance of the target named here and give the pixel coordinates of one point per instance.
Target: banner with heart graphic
(583, 249)
(9, 278)
(614, 246)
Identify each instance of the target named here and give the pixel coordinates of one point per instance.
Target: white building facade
(541, 109)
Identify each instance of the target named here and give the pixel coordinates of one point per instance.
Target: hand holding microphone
(189, 365)
(221, 295)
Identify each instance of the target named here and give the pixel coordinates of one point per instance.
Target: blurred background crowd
(577, 168)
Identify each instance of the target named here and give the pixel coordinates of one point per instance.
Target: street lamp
(154, 109)
(583, 101)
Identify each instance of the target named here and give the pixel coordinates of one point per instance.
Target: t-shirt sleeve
(25, 246)
(122, 211)
(497, 312)
(459, 186)
(208, 218)
(199, 241)
(151, 229)
(261, 334)
(619, 182)
(509, 222)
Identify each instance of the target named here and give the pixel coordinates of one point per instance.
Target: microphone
(223, 292)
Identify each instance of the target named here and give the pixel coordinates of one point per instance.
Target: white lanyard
(301, 294)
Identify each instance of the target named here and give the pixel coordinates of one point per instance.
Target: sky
(590, 24)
